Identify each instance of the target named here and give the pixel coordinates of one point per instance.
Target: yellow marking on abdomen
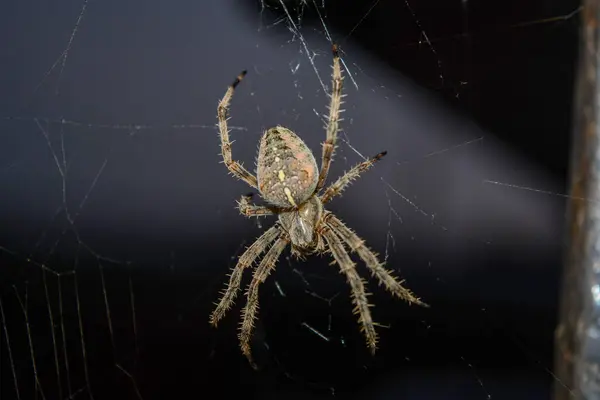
(288, 193)
(281, 175)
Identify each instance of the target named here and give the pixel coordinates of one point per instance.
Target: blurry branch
(577, 337)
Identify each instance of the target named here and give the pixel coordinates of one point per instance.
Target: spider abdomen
(287, 171)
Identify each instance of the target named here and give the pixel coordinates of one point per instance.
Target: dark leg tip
(380, 155)
(239, 78)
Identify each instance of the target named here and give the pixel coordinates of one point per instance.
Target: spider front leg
(251, 210)
(249, 312)
(384, 276)
(235, 279)
(332, 126)
(222, 114)
(357, 284)
(343, 181)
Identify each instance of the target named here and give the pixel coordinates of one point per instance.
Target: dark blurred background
(118, 224)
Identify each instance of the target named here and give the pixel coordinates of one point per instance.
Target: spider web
(118, 221)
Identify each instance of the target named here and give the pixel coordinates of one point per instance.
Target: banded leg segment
(235, 279)
(222, 114)
(345, 180)
(357, 284)
(385, 277)
(332, 126)
(250, 311)
(251, 210)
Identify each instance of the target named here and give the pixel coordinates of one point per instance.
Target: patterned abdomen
(287, 171)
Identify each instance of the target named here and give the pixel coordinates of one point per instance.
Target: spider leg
(385, 277)
(222, 114)
(357, 284)
(249, 313)
(343, 181)
(332, 126)
(251, 210)
(235, 279)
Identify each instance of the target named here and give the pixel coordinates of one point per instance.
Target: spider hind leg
(233, 166)
(333, 119)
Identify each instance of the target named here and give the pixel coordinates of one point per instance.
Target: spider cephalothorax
(288, 179)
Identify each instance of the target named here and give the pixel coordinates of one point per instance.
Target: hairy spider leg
(252, 210)
(384, 276)
(246, 259)
(250, 311)
(233, 166)
(343, 181)
(357, 286)
(333, 119)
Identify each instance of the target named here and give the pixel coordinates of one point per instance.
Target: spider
(288, 179)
